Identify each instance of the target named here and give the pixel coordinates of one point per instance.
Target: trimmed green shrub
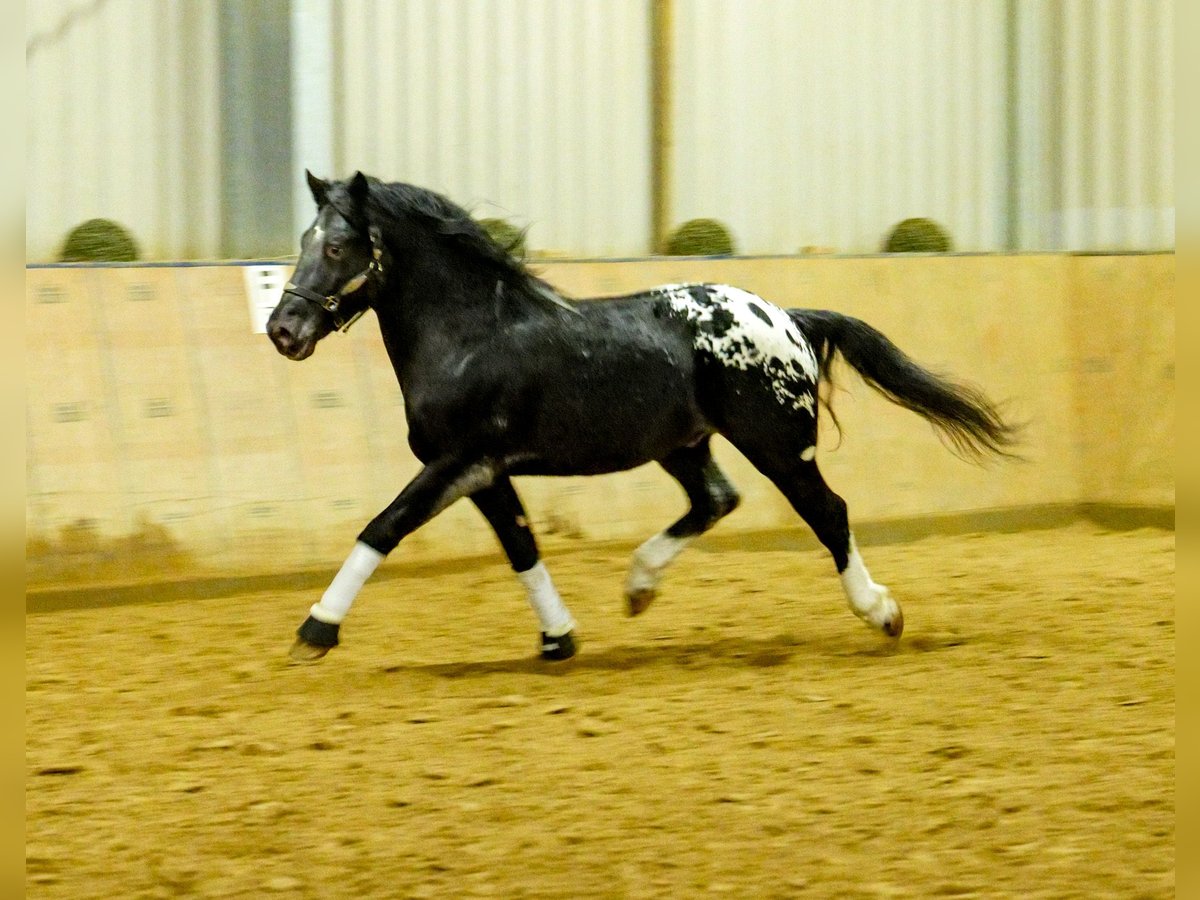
(700, 237)
(506, 234)
(918, 236)
(99, 240)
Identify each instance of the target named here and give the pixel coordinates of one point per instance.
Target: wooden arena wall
(166, 440)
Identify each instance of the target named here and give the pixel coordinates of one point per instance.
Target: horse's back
(745, 362)
(626, 380)
(745, 344)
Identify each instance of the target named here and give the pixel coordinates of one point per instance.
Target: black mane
(452, 226)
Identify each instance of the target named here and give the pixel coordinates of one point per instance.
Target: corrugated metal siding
(800, 122)
(535, 110)
(804, 122)
(121, 120)
(816, 123)
(1111, 126)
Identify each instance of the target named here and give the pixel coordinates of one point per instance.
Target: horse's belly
(590, 425)
(606, 396)
(614, 444)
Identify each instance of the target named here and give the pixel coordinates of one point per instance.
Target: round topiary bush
(700, 237)
(506, 234)
(918, 236)
(99, 240)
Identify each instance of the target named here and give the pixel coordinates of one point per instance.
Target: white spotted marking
(773, 345)
(809, 454)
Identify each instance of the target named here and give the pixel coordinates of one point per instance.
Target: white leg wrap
(651, 559)
(358, 567)
(543, 597)
(871, 602)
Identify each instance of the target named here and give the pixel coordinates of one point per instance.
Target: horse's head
(339, 269)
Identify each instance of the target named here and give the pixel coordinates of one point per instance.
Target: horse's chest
(437, 419)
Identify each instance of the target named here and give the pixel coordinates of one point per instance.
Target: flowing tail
(960, 412)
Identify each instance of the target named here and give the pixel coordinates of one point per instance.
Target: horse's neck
(427, 318)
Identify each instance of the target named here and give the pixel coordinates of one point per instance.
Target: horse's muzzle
(287, 343)
(293, 335)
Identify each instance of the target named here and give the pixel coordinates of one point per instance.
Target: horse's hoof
(558, 648)
(304, 652)
(639, 600)
(895, 626)
(316, 633)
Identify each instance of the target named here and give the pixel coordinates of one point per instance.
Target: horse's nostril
(282, 334)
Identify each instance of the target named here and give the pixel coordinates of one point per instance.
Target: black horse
(503, 376)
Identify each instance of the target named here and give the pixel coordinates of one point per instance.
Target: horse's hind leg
(502, 508)
(711, 497)
(825, 512)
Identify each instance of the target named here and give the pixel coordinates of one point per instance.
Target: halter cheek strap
(332, 303)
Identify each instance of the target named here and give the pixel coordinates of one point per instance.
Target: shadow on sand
(732, 652)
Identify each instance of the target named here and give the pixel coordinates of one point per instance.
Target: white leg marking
(651, 559)
(358, 567)
(543, 597)
(809, 454)
(871, 602)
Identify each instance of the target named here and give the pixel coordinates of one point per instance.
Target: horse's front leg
(502, 508)
(433, 489)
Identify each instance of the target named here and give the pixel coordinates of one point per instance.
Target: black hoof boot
(313, 640)
(558, 648)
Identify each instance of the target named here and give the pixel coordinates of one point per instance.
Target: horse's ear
(358, 189)
(319, 188)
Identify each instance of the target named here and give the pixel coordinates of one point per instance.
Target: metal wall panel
(1111, 124)
(799, 122)
(804, 122)
(535, 110)
(122, 122)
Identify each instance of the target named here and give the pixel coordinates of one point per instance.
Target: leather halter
(332, 303)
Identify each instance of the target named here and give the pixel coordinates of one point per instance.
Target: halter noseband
(332, 303)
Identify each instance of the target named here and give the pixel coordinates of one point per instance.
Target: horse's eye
(333, 251)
